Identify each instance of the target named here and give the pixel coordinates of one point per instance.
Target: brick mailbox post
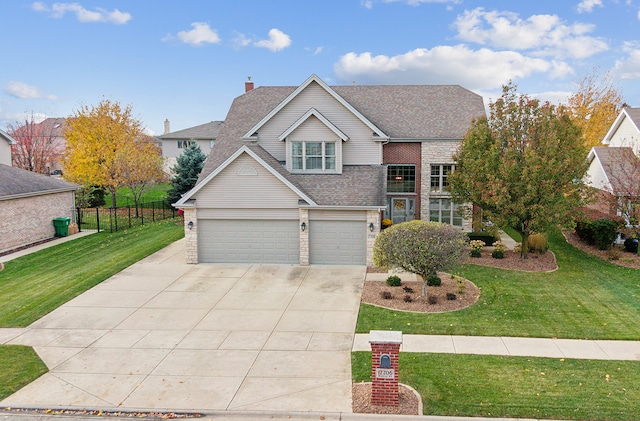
(385, 349)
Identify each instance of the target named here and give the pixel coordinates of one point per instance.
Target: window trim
(441, 177)
(398, 166)
(323, 156)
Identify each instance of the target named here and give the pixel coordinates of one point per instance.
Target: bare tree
(624, 176)
(38, 145)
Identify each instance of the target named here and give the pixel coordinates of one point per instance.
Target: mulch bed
(408, 401)
(617, 256)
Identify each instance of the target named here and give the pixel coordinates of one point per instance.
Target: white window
(313, 156)
(443, 210)
(440, 178)
(184, 143)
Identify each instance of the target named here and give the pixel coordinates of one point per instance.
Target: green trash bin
(61, 226)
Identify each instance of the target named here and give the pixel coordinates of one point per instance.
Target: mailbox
(385, 361)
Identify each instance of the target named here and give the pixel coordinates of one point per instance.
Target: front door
(401, 209)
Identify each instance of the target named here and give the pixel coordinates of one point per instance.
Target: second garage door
(337, 242)
(248, 241)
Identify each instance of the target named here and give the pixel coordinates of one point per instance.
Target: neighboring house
(174, 142)
(615, 169)
(29, 203)
(5, 147)
(303, 174)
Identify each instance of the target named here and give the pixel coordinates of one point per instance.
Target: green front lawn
(33, 285)
(585, 298)
(517, 387)
(19, 366)
(155, 193)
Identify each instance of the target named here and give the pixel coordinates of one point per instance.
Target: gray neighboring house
(5, 147)
(303, 174)
(174, 142)
(29, 202)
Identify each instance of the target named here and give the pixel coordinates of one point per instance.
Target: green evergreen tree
(186, 170)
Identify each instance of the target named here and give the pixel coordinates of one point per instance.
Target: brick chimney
(248, 85)
(167, 128)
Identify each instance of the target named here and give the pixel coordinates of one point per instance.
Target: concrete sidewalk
(48, 244)
(523, 347)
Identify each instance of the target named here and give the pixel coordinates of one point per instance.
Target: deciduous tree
(595, 106)
(38, 145)
(419, 247)
(102, 146)
(523, 165)
(186, 172)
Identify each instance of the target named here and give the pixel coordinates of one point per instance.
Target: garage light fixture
(303, 226)
(190, 224)
(371, 227)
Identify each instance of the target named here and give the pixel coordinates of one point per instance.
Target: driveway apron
(164, 335)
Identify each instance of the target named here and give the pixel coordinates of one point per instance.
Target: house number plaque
(385, 373)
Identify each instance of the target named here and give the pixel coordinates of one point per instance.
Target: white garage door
(248, 241)
(337, 242)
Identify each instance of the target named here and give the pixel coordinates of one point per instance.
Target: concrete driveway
(164, 335)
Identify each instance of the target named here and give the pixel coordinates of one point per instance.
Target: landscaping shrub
(386, 223)
(394, 281)
(538, 243)
(386, 295)
(407, 289)
(517, 248)
(631, 244)
(432, 299)
(408, 299)
(499, 249)
(485, 237)
(476, 246)
(434, 280)
(599, 232)
(497, 254)
(451, 296)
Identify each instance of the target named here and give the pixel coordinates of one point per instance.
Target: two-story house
(173, 143)
(303, 174)
(5, 147)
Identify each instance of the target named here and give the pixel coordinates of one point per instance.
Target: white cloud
(314, 51)
(445, 65)
(277, 41)
(58, 10)
(544, 35)
(241, 40)
(629, 67)
(23, 91)
(200, 34)
(586, 6)
(369, 3)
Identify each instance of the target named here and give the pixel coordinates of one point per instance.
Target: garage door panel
(337, 242)
(248, 241)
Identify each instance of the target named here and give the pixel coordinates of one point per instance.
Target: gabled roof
(229, 160)
(16, 183)
(309, 81)
(620, 165)
(633, 114)
(319, 116)
(7, 137)
(206, 131)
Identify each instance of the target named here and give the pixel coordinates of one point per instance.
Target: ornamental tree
(38, 145)
(524, 165)
(186, 172)
(419, 247)
(102, 146)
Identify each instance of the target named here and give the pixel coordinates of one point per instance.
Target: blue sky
(187, 60)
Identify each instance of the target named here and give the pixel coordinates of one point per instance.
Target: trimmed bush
(451, 296)
(485, 237)
(386, 295)
(599, 232)
(497, 254)
(434, 281)
(394, 281)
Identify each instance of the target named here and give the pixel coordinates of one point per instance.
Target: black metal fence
(119, 218)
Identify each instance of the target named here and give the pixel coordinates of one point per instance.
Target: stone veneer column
(304, 238)
(385, 346)
(373, 217)
(436, 153)
(191, 235)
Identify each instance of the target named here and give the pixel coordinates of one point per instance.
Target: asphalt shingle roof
(402, 112)
(16, 182)
(203, 131)
(622, 168)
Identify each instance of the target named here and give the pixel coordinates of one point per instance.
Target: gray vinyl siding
(230, 190)
(248, 213)
(5, 152)
(337, 215)
(625, 135)
(170, 147)
(360, 149)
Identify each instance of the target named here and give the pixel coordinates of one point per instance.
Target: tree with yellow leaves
(106, 146)
(595, 106)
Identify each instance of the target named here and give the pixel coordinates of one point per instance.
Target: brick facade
(385, 390)
(406, 153)
(191, 235)
(27, 220)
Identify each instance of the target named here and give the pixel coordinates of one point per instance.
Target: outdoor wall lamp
(371, 227)
(190, 224)
(303, 226)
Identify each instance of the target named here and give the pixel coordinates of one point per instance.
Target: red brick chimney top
(248, 85)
